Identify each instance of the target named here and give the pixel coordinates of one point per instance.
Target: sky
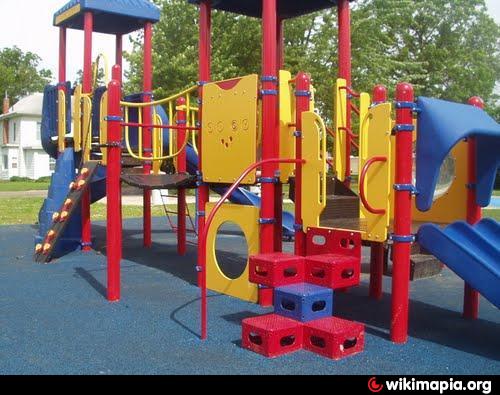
(28, 24)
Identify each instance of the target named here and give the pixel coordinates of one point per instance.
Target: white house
(21, 149)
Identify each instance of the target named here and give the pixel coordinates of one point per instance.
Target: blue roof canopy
(286, 8)
(443, 124)
(110, 16)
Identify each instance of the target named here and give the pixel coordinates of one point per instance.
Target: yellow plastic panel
(376, 141)
(340, 117)
(229, 129)
(77, 118)
(287, 117)
(452, 206)
(103, 135)
(247, 218)
(314, 170)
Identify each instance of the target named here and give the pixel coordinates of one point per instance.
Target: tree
(447, 48)
(20, 74)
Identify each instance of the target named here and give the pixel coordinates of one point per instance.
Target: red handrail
(203, 238)
(362, 178)
(350, 91)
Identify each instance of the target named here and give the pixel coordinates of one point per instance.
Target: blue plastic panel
(286, 9)
(110, 16)
(472, 252)
(441, 125)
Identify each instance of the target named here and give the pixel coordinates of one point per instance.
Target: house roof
(29, 105)
(110, 16)
(286, 9)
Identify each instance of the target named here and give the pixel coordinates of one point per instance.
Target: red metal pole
(62, 54)
(119, 55)
(474, 214)
(181, 168)
(344, 17)
(278, 203)
(113, 189)
(147, 118)
(270, 134)
(377, 249)
(205, 52)
(87, 88)
(302, 104)
(402, 216)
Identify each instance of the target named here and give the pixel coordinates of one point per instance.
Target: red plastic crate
(333, 271)
(272, 335)
(277, 269)
(334, 338)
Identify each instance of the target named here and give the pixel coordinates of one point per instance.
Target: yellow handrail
(95, 70)
(103, 135)
(61, 124)
(77, 118)
(148, 158)
(87, 126)
(161, 101)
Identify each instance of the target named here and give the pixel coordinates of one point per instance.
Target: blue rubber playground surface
(55, 320)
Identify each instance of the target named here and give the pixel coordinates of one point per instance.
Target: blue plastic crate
(303, 302)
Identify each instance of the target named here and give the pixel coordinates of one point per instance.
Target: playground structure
(264, 130)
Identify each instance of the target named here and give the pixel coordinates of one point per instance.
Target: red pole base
(147, 220)
(376, 271)
(471, 303)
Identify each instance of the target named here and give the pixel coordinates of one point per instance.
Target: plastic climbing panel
(314, 170)
(375, 142)
(247, 218)
(229, 135)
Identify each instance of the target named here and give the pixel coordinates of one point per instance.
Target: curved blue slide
(472, 252)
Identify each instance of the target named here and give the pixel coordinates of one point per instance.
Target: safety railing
(157, 127)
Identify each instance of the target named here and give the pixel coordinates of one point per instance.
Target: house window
(14, 162)
(14, 132)
(5, 162)
(39, 131)
(52, 164)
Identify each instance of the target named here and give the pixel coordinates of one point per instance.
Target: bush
(43, 179)
(20, 179)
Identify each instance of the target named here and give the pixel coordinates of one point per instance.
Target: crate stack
(304, 298)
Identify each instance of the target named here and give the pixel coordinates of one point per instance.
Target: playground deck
(55, 319)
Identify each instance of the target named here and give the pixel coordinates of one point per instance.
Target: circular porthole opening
(231, 250)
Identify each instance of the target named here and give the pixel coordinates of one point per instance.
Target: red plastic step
(276, 269)
(272, 335)
(334, 338)
(333, 271)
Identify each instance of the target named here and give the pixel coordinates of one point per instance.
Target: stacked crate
(303, 298)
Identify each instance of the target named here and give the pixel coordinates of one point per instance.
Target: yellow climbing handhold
(47, 247)
(38, 248)
(55, 217)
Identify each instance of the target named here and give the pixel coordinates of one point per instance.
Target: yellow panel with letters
(314, 170)
(229, 137)
(375, 141)
(247, 218)
(287, 117)
(340, 118)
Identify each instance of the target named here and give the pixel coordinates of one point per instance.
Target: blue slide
(472, 252)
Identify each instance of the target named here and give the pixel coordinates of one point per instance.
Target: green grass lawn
(17, 211)
(22, 186)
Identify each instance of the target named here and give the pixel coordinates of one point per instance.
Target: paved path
(20, 194)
